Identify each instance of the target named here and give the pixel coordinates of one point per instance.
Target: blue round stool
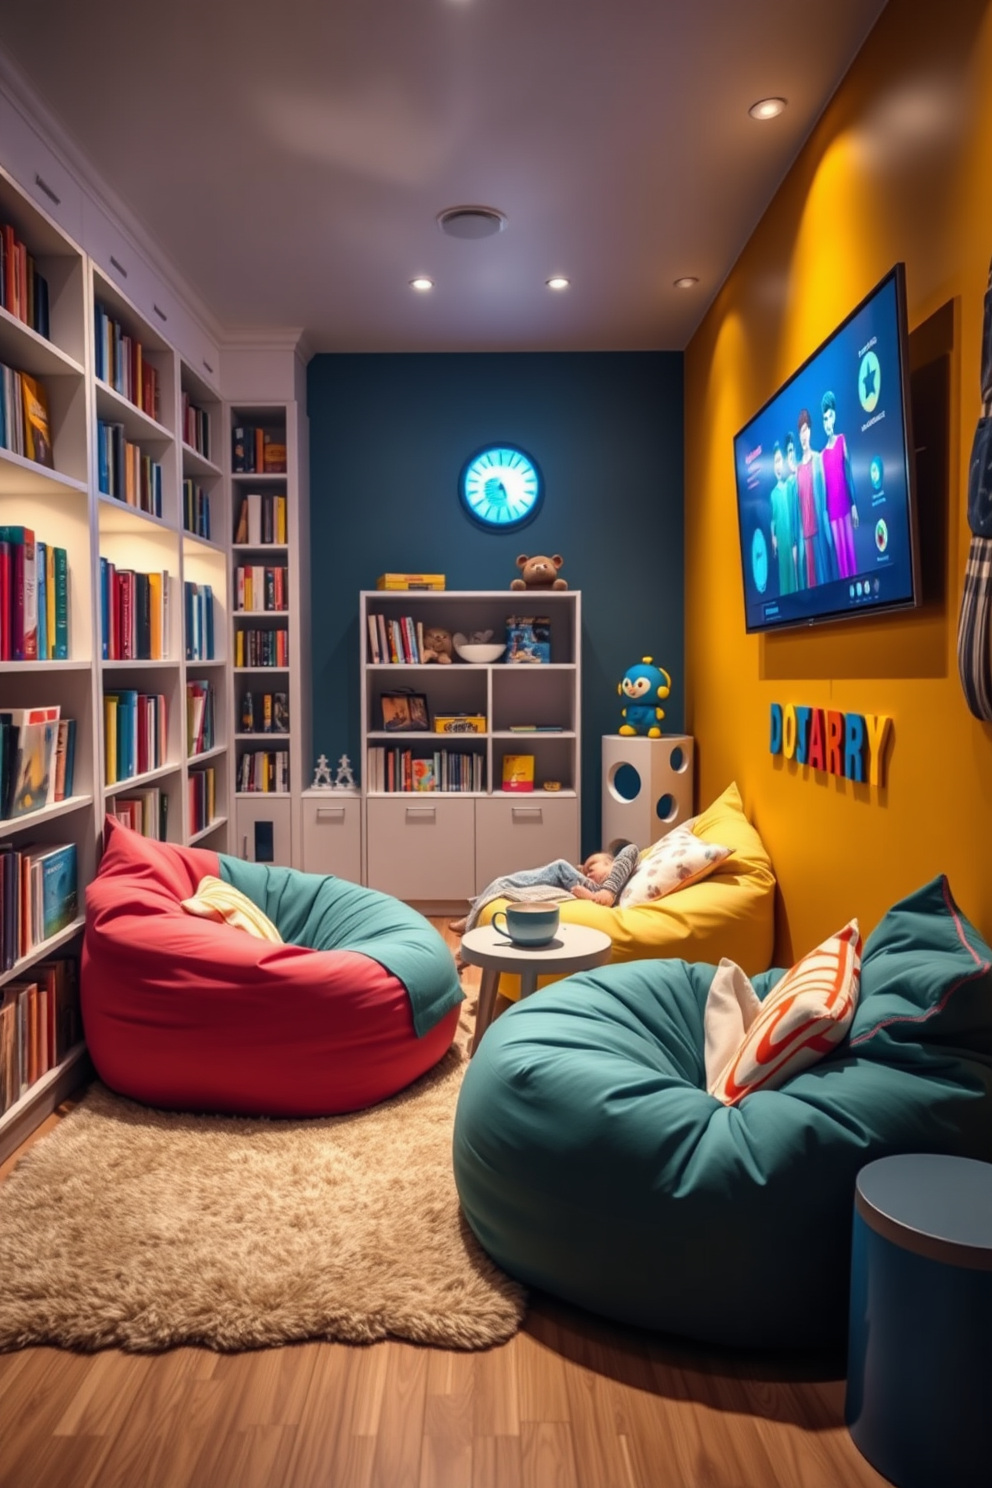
(919, 1377)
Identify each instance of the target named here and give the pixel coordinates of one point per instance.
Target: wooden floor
(570, 1402)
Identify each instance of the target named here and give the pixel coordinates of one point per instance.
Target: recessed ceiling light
(471, 222)
(422, 283)
(767, 108)
(686, 282)
(557, 281)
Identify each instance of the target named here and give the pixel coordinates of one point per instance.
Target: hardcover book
(528, 639)
(37, 428)
(518, 772)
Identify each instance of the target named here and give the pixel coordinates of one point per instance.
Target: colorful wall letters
(849, 744)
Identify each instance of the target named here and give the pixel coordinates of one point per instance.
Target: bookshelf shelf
(115, 408)
(477, 833)
(134, 782)
(33, 353)
(42, 951)
(8, 828)
(22, 477)
(214, 826)
(42, 1098)
(206, 755)
(196, 464)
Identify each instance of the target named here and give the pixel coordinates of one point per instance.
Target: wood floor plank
(397, 1459)
(497, 1391)
(321, 1424)
(547, 1455)
(497, 1462)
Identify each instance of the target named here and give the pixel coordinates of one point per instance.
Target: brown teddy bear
(539, 573)
(438, 645)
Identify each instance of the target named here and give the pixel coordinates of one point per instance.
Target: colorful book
(37, 426)
(32, 758)
(518, 772)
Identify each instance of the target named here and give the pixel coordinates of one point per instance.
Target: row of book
(394, 769)
(25, 427)
(261, 520)
(261, 648)
(264, 713)
(134, 613)
(34, 598)
(23, 289)
(135, 733)
(196, 509)
(259, 588)
(198, 613)
(257, 451)
(196, 427)
(37, 759)
(264, 770)
(200, 712)
(400, 640)
(125, 472)
(40, 1023)
(146, 811)
(120, 361)
(201, 788)
(38, 895)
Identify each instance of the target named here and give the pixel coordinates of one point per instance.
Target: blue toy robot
(644, 684)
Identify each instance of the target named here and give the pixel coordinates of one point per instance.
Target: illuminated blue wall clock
(501, 487)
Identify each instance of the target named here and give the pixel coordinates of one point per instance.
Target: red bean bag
(189, 1014)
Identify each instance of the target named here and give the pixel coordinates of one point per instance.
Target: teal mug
(527, 924)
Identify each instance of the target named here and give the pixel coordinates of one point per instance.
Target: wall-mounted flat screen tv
(825, 478)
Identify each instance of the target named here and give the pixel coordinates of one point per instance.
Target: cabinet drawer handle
(44, 186)
(160, 313)
(421, 813)
(208, 367)
(527, 813)
(330, 813)
(118, 266)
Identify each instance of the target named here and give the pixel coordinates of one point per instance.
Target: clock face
(501, 488)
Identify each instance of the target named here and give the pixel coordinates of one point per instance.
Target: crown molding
(60, 141)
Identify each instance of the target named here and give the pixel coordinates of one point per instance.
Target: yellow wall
(898, 167)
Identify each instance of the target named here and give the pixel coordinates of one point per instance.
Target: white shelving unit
(442, 847)
(269, 823)
(65, 507)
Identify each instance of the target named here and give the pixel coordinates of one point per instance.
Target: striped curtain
(975, 623)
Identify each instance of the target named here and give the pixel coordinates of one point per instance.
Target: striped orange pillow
(753, 1045)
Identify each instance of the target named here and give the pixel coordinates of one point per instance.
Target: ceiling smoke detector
(471, 222)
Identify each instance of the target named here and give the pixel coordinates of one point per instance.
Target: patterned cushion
(216, 900)
(677, 860)
(753, 1045)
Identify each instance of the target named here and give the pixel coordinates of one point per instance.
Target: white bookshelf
(65, 507)
(443, 846)
(268, 823)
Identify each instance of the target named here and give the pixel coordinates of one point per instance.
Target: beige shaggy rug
(142, 1229)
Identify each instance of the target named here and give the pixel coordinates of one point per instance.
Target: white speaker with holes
(647, 786)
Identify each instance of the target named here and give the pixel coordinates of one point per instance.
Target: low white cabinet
(421, 847)
(332, 833)
(524, 831)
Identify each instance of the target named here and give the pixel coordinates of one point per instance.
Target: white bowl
(490, 651)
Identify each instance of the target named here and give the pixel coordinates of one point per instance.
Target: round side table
(919, 1378)
(574, 948)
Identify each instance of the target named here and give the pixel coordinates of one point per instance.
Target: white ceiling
(289, 157)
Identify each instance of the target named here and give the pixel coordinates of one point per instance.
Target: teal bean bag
(591, 1162)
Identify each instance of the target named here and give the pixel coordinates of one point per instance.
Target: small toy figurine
(322, 775)
(438, 645)
(344, 779)
(644, 684)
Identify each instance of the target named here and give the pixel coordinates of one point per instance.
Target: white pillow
(672, 863)
(753, 1045)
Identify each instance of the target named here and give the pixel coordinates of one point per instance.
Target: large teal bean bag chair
(591, 1162)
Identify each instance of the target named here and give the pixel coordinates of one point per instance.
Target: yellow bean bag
(730, 913)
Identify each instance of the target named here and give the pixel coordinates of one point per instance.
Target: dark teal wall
(388, 436)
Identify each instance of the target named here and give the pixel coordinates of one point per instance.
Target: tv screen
(825, 499)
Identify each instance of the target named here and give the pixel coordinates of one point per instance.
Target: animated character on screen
(783, 539)
(644, 684)
(821, 565)
(839, 480)
(795, 519)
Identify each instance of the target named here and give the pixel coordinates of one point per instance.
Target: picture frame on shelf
(404, 712)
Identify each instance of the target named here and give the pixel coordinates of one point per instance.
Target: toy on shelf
(644, 684)
(539, 573)
(343, 779)
(438, 645)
